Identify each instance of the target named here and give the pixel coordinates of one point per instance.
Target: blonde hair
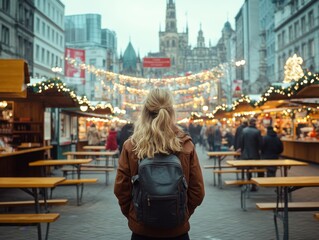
(154, 129)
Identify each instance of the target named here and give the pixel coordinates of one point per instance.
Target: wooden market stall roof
(14, 77)
(53, 98)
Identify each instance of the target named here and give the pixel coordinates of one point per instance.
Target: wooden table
(220, 156)
(244, 164)
(288, 184)
(74, 162)
(285, 163)
(58, 162)
(35, 184)
(100, 148)
(107, 154)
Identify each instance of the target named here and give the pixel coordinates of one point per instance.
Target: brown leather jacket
(128, 166)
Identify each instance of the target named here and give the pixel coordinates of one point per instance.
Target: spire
(200, 37)
(171, 21)
(186, 15)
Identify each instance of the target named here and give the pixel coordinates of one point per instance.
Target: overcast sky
(140, 20)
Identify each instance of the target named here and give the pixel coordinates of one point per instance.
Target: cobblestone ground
(218, 218)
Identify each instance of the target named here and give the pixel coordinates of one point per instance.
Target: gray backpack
(160, 192)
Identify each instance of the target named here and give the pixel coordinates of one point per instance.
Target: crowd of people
(113, 139)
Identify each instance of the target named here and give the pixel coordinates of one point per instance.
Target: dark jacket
(128, 165)
(124, 134)
(238, 135)
(272, 146)
(251, 143)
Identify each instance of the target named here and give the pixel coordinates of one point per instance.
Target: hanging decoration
(61, 87)
(293, 69)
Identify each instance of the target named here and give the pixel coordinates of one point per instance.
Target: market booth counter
(16, 164)
(305, 149)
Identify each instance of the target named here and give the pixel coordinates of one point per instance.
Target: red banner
(156, 62)
(73, 72)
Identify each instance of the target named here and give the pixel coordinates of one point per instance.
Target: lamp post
(56, 69)
(229, 78)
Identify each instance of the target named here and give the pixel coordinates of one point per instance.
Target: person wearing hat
(251, 144)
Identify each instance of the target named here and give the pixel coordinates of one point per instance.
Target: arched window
(167, 43)
(173, 43)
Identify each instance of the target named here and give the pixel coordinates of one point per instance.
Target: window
(290, 34)
(37, 25)
(311, 48)
(304, 51)
(37, 52)
(20, 46)
(5, 35)
(283, 38)
(310, 20)
(48, 57)
(279, 40)
(5, 5)
(48, 32)
(297, 30)
(303, 25)
(43, 28)
(42, 55)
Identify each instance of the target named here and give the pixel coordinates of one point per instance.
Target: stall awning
(14, 77)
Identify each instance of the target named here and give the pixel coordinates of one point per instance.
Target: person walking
(124, 134)
(238, 134)
(250, 145)
(156, 132)
(271, 148)
(210, 138)
(93, 136)
(111, 141)
(217, 138)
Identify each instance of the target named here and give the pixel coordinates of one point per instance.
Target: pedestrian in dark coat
(251, 143)
(217, 138)
(238, 134)
(124, 134)
(272, 147)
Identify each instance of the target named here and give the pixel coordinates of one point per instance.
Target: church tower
(169, 39)
(171, 23)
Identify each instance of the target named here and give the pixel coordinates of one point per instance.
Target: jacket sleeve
(196, 191)
(122, 185)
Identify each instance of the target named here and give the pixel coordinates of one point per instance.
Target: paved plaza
(218, 218)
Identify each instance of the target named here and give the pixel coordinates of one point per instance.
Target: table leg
(285, 217)
(35, 192)
(219, 159)
(78, 195)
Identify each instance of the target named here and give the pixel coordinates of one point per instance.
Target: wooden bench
(49, 202)
(292, 206)
(88, 169)
(216, 167)
(78, 183)
(316, 216)
(34, 219)
(244, 190)
(237, 171)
